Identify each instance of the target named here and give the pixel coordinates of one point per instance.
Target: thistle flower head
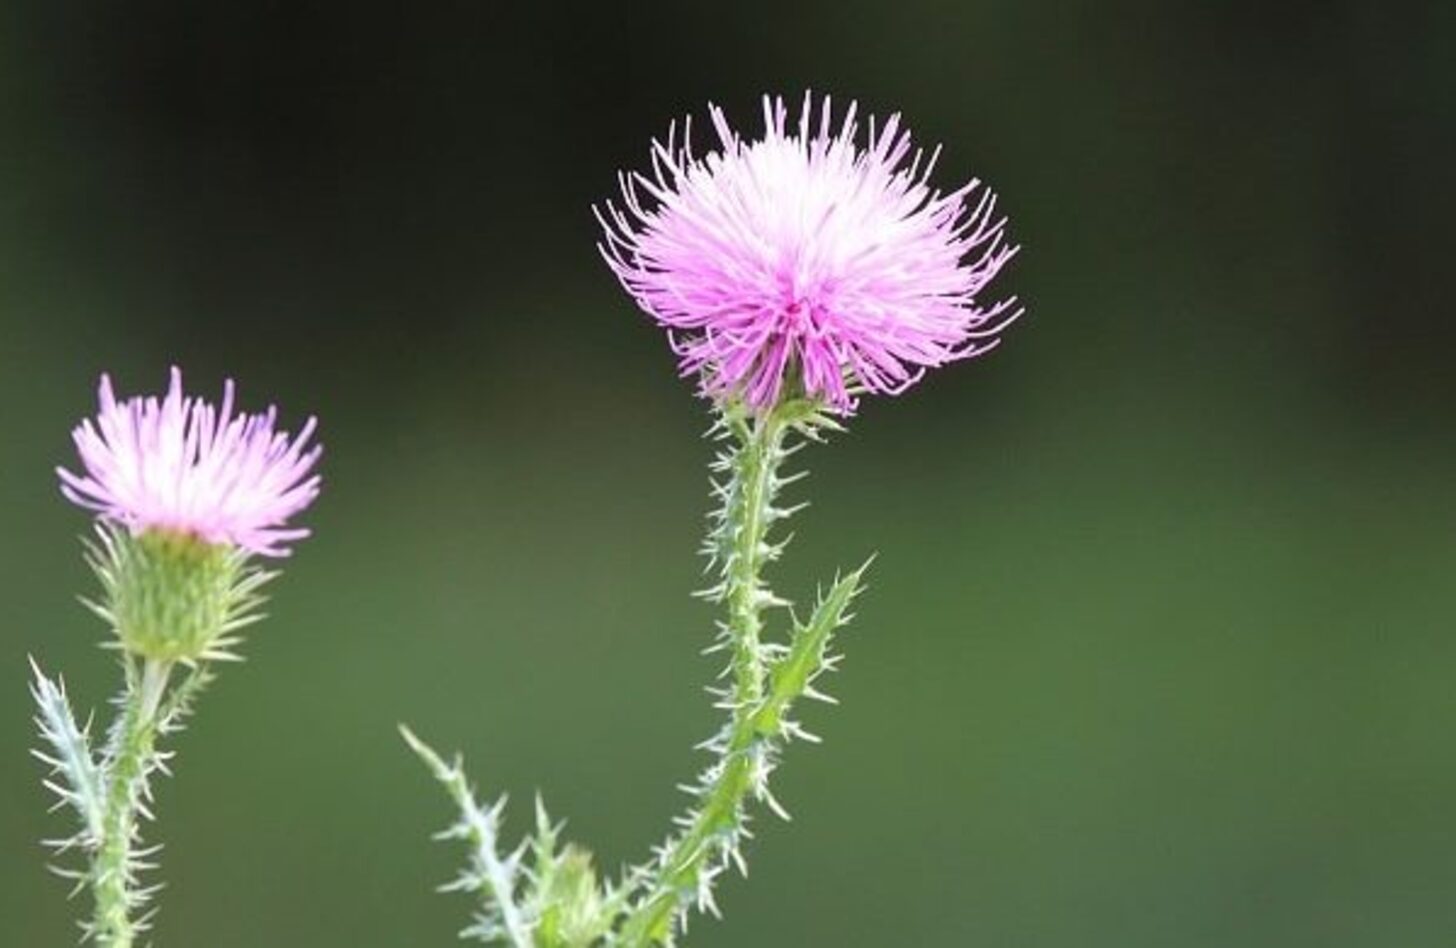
(805, 261)
(179, 465)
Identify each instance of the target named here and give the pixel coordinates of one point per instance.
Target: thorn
(816, 695)
(773, 804)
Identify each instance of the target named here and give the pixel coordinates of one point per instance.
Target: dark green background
(1161, 643)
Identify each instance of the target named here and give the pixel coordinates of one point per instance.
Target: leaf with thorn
(74, 777)
(493, 877)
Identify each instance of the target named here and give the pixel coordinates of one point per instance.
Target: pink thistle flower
(180, 465)
(804, 259)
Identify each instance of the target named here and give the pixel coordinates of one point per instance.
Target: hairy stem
(131, 758)
(687, 863)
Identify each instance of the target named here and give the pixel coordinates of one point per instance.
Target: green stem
(713, 829)
(132, 757)
(759, 456)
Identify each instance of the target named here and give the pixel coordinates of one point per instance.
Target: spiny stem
(130, 760)
(758, 458)
(562, 905)
(713, 828)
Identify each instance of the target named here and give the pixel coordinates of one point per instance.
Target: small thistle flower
(805, 264)
(187, 493)
(181, 466)
(186, 496)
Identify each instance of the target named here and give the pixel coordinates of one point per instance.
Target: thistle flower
(186, 496)
(793, 274)
(805, 264)
(181, 466)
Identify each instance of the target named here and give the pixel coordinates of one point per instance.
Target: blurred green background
(1161, 644)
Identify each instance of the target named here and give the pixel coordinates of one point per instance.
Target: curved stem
(690, 860)
(131, 759)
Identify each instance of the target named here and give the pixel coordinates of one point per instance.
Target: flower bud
(172, 596)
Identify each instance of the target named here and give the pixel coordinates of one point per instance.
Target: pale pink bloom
(180, 464)
(804, 257)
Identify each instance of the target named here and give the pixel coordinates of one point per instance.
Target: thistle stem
(131, 759)
(714, 827)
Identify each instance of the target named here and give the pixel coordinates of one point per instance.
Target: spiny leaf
(492, 876)
(75, 777)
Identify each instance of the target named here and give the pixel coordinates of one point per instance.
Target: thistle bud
(172, 596)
